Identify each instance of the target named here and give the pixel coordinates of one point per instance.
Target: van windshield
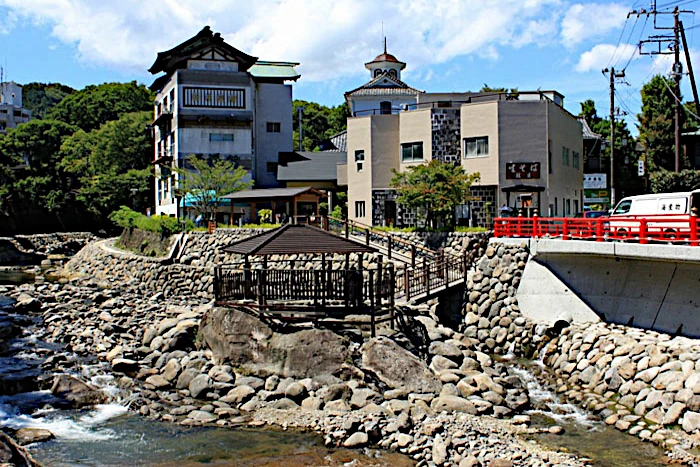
(623, 207)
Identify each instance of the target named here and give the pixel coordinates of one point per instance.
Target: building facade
(215, 102)
(526, 147)
(11, 111)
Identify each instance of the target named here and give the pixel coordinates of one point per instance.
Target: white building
(214, 101)
(11, 111)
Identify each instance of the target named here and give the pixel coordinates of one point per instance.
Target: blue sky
(448, 45)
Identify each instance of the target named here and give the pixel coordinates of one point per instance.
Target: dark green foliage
(319, 123)
(656, 125)
(40, 98)
(665, 181)
(93, 106)
(435, 188)
(128, 219)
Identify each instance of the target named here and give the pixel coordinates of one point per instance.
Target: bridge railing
(680, 229)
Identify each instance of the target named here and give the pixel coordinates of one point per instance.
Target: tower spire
(384, 44)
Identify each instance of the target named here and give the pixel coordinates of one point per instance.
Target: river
(109, 435)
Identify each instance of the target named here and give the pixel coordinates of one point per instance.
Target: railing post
(389, 246)
(413, 256)
(693, 230)
(372, 293)
(392, 291)
(643, 231)
(535, 230)
(565, 229)
(406, 286)
(426, 273)
(347, 230)
(599, 230)
(247, 278)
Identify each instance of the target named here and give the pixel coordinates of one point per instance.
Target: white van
(665, 214)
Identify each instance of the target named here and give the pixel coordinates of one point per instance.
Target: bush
(265, 216)
(665, 181)
(164, 225)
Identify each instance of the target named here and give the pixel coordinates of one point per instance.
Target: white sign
(595, 181)
(640, 167)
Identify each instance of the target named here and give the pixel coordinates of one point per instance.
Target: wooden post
(217, 282)
(413, 256)
(315, 286)
(379, 279)
(324, 283)
(247, 277)
(262, 285)
(389, 246)
(361, 279)
(406, 285)
(347, 230)
(426, 273)
(372, 294)
(392, 285)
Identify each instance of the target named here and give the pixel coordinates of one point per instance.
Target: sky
(448, 45)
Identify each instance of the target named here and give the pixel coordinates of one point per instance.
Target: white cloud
(591, 20)
(601, 55)
(663, 64)
(330, 39)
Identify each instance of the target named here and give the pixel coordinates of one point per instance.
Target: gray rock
(32, 435)
(200, 386)
(124, 365)
(356, 440)
(453, 404)
(171, 370)
(186, 377)
(158, 381)
(238, 395)
(202, 416)
(397, 367)
(75, 393)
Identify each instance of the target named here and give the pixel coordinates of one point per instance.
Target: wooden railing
(680, 229)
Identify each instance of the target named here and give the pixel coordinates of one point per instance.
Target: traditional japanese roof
(274, 70)
(335, 143)
(270, 193)
(297, 239)
(384, 84)
(587, 132)
(204, 40)
(306, 165)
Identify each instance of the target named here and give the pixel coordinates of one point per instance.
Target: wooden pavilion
(329, 289)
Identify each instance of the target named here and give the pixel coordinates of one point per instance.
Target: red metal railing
(681, 229)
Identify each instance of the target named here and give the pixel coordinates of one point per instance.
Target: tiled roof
(339, 142)
(283, 70)
(587, 132)
(376, 86)
(316, 166)
(268, 193)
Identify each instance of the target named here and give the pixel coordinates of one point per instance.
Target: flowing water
(584, 435)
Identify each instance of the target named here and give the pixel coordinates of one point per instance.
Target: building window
(568, 207)
(556, 207)
(392, 73)
(575, 206)
(476, 147)
(218, 137)
(377, 73)
(360, 159)
(272, 167)
(385, 108)
(210, 97)
(412, 152)
(575, 159)
(359, 209)
(565, 156)
(273, 127)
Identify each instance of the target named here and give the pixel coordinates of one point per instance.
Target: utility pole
(613, 113)
(673, 42)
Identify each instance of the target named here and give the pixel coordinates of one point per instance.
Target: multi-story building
(526, 147)
(214, 101)
(11, 111)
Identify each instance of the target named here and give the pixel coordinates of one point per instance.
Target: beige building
(526, 147)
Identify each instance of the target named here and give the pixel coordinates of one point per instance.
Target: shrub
(164, 225)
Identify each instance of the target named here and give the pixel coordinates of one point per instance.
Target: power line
(678, 100)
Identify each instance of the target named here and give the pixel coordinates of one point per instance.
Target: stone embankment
(642, 382)
(32, 249)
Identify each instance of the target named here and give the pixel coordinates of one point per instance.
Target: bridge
(584, 270)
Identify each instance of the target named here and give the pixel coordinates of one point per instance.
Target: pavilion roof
(297, 239)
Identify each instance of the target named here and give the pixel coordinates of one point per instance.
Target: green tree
(487, 88)
(111, 165)
(318, 122)
(40, 98)
(93, 106)
(209, 182)
(435, 188)
(656, 125)
(33, 149)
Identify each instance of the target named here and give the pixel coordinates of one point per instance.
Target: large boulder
(397, 367)
(244, 341)
(75, 393)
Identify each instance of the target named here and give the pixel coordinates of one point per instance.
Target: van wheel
(622, 234)
(670, 234)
